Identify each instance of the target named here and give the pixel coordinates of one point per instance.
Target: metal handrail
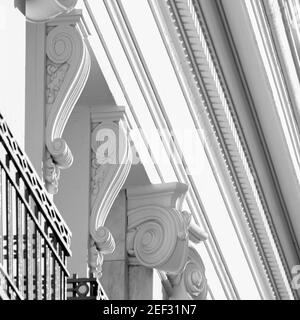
(34, 239)
(85, 289)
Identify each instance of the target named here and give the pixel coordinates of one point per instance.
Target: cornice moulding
(280, 52)
(223, 121)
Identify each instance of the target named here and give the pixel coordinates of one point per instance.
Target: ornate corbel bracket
(191, 283)
(158, 238)
(67, 70)
(160, 234)
(111, 160)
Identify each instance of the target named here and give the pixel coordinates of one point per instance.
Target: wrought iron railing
(85, 289)
(34, 239)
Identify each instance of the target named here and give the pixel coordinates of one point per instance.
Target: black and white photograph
(149, 154)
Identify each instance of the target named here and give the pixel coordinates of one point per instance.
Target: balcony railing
(34, 239)
(85, 289)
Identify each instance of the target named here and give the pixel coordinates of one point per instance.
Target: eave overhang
(204, 83)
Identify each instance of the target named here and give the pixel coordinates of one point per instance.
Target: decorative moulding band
(219, 109)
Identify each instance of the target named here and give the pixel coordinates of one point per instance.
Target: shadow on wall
(20, 4)
(96, 91)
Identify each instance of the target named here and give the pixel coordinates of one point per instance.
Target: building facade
(164, 136)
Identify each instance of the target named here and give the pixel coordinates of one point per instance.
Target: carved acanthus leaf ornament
(110, 164)
(67, 69)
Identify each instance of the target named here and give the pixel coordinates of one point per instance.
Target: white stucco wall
(12, 68)
(72, 199)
